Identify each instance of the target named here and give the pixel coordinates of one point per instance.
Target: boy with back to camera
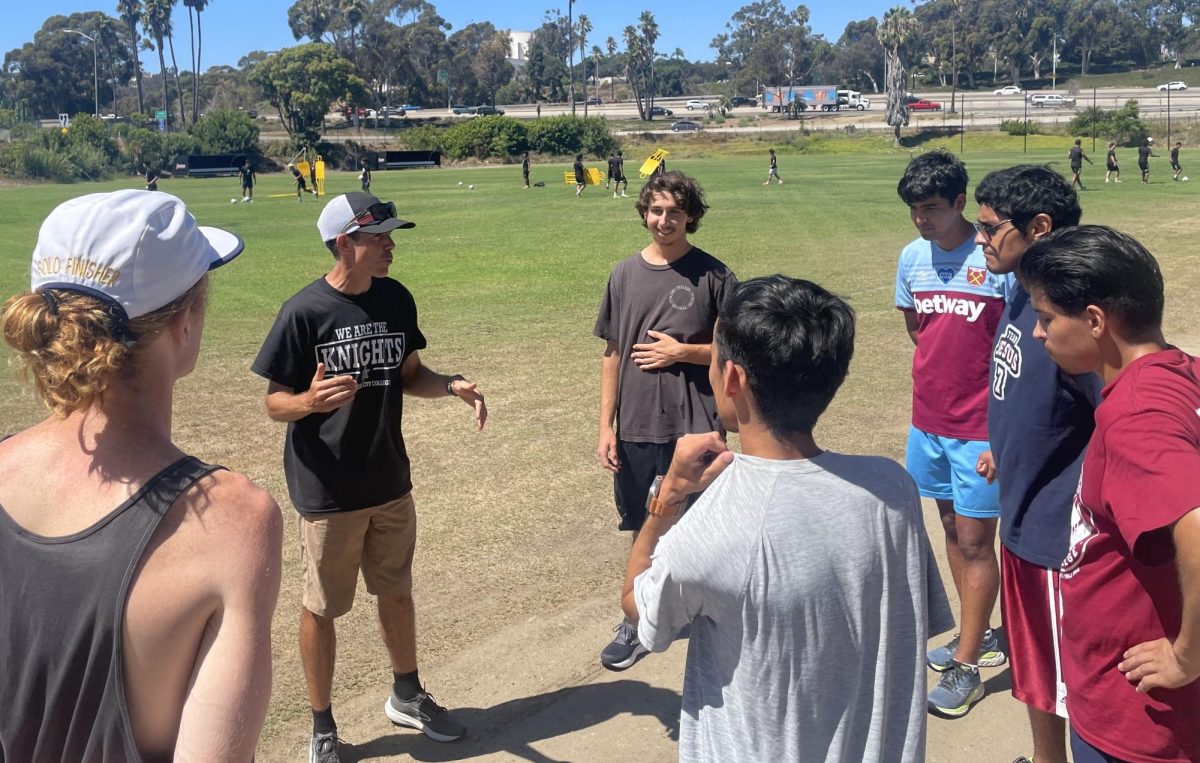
(951, 306)
(768, 567)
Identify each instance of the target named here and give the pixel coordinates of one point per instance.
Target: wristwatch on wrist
(657, 508)
(450, 383)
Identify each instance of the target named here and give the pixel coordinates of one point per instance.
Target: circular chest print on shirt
(682, 297)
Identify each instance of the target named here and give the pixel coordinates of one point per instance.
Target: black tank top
(62, 603)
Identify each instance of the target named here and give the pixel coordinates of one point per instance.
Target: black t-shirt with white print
(353, 457)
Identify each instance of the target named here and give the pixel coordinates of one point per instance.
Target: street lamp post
(571, 55)
(95, 65)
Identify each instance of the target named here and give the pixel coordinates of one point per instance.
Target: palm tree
(596, 53)
(649, 29)
(611, 46)
(130, 12)
(584, 26)
(197, 50)
(156, 19)
(898, 27)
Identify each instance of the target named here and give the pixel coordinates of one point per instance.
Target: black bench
(404, 160)
(209, 165)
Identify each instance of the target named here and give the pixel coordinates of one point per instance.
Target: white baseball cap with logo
(138, 250)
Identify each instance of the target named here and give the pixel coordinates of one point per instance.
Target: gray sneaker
(957, 689)
(991, 654)
(324, 748)
(624, 650)
(421, 712)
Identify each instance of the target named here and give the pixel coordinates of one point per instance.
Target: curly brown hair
(688, 195)
(72, 345)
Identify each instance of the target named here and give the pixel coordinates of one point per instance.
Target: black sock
(405, 685)
(323, 722)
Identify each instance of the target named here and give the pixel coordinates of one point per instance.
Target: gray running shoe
(991, 654)
(324, 748)
(957, 689)
(421, 712)
(624, 650)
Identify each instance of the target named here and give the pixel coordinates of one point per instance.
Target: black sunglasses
(989, 230)
(373, 215)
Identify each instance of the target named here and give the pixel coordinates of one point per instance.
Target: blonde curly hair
(72, 345)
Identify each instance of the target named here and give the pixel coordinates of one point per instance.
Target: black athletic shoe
(421, 712)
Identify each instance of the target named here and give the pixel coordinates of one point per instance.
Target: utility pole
(571, 55)
(1054, 61)
(95, 66)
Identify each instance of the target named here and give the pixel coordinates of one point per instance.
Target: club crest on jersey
(946, 274)
(976, 276)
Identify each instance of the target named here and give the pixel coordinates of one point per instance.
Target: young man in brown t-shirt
(657, 316)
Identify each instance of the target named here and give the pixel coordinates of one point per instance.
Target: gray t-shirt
(811, 589)
(682, 300)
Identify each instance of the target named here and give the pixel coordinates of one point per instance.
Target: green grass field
(508, 282)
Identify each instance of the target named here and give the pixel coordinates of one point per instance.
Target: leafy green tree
(1091, 24)
(54, 73)
(301, 82)
(547, 58)
(1124, 126)
(492, 68)
(858, 56)
(225, 132)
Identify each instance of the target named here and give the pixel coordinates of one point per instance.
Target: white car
(696, 104)
(1008, 90)
(1174, 85)
(1043, 100)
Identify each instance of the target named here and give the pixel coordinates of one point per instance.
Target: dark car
(659, 111)
(920, 104)
(594, 101)
(743, 100)
(487, 111)
(685, 125)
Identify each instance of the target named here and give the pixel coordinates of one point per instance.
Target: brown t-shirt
(681, 300)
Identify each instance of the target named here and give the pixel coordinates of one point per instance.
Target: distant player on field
(364, 177)
(773, 171)
(1175, 159)
(951, 306)
(1077, 158)
(580, 175)
(525, 169)
(246, 173)
(1145, 151)
(1111, 163)
(616, 174)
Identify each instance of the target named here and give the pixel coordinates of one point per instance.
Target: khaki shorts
(380, 540)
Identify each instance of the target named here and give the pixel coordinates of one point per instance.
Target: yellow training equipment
(651, 164)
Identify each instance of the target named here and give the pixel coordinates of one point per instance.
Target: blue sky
(234, 27)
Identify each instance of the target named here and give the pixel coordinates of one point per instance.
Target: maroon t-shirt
(1120, 583)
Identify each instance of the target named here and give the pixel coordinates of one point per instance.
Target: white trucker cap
(358, 211)
(138, 250)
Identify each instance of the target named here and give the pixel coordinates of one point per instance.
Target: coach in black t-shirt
(340, 358)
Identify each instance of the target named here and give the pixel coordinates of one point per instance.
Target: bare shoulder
(229, 521)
